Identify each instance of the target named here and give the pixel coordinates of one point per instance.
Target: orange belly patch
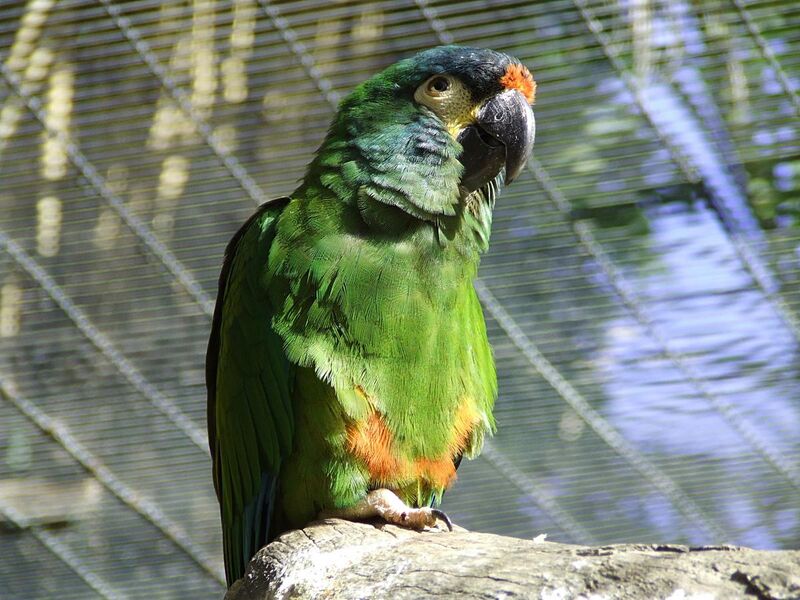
(438, 473)
(467, 418)
(371, 441)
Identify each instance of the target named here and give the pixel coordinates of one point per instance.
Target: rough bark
(339, 559)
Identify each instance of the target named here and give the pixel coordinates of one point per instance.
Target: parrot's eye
(448, 97)
(438, 85)
(437, 88)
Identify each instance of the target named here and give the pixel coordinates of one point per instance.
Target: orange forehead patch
(517, 77)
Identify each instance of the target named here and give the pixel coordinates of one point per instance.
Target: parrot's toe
(413, 518)
(393, 510)
(420, 518)
(385, 504)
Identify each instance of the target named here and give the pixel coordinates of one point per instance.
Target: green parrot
(348, 368)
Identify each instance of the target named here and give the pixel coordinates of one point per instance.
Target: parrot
(348, 369)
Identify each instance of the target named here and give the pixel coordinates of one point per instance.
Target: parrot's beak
(501, 136)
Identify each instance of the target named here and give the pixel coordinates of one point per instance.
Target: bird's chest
(399, 337)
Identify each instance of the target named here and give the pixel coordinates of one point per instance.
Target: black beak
(502, 136)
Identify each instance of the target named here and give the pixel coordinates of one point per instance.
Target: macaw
(348, 367)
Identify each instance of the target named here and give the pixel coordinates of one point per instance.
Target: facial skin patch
(517, 77)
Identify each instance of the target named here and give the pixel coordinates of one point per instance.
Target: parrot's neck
(401, 178)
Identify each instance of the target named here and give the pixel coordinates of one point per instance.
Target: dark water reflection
(714, 353)
(697, 291)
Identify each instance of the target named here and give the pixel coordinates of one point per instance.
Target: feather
(246, 375)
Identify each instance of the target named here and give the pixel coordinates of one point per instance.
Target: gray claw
(440, 514)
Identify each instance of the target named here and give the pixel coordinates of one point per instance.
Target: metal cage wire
(641, 291)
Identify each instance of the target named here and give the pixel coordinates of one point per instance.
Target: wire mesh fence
(641, 291)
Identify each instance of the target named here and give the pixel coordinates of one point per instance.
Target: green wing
(250, 421)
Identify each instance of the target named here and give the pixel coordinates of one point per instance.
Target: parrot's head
(484, 100)
(429, 131)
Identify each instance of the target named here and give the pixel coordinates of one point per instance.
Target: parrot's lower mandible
(348, 368)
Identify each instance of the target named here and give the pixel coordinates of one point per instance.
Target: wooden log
(341, 559)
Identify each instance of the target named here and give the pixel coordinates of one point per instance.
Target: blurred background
(641, 291)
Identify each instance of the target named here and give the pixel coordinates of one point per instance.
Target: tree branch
(340, 559)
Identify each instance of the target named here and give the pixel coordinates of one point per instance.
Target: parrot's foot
(386, 505)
